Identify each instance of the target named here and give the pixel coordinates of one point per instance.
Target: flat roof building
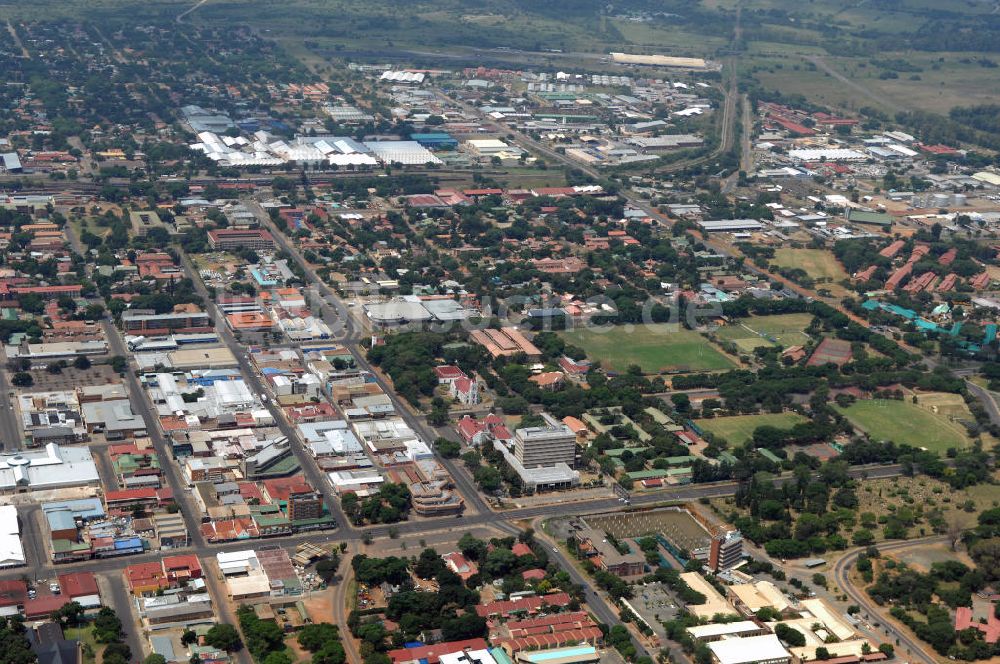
(718, 631)
(731, 225)
(234, 238)
(752, 597)
(51, 467)
(765, 649)
(714, 602)
(594, 543)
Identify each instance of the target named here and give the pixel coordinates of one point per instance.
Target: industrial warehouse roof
(48, 468)
(751, 649)
(731, 225)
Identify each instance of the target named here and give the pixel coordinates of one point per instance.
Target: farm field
(739, 428)
(784, 329)
(904, 422)
(657, 348)
(819, 264)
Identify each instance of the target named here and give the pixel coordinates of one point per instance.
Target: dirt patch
(945, 404)
(319, 605)
(295, 651)
(923, 556)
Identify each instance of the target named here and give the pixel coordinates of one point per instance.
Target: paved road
(124, 606)
(596, 602)
(35, 551)
(310, 470)
(986, 397)
(41, 566)
(184, 14)
(841, 573)
(11, 431)
(142, 406)
(340, 603)
(222, 604)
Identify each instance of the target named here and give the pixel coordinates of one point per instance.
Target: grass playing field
(905, 422)
(656, 348)
(739, 428)
(784, 329)
(819, 264)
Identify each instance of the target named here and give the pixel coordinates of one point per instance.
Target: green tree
(488, 478)
(117, 653)
(224, 637)
(449, 449)
(327, 568)
(314, 637)
(278, 657)
(22, 379)
(13, 643)
(331, 653)
(107, 626)
(790, 635)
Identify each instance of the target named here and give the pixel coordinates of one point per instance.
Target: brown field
(944, 404)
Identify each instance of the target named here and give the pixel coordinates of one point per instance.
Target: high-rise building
(726, 551)
(545, 445)
(304, 505)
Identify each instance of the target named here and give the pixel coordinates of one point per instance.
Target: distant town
(339, 352)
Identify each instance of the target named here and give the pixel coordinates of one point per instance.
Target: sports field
(784, 329)
(819, 264)
(657, 348)
(739, 428)
(905, 422)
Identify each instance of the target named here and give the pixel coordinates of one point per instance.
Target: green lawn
(739, 428)
(784, 329)
(904, 422)
(819, 264)
(656, 348)
(85, 635)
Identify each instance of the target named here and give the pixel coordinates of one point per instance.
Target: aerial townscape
(499, 332)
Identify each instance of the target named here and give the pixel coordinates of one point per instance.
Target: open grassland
(905, 422)
(947, 80)
(656, 348)
(668, 39)
(784, 329)
(819, 264)
(939, 82)
(794, 75)
(739, 428)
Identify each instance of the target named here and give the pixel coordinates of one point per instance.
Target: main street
(311, 471)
